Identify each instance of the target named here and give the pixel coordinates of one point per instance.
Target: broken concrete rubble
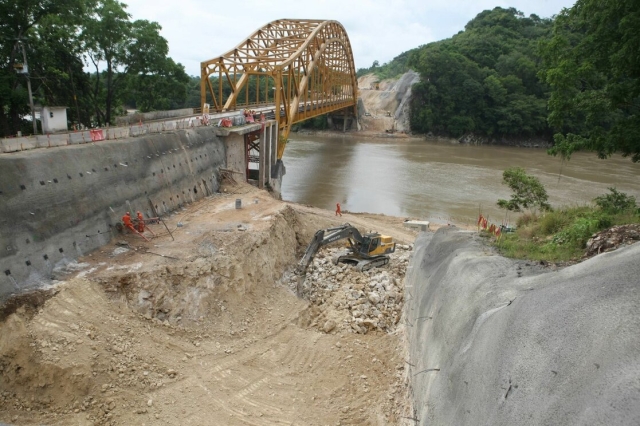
(358, 302)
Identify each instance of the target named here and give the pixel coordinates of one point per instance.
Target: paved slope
(516, 345)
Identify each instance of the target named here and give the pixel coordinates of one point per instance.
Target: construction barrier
(48, 141)
(79, 137)
(96, 135)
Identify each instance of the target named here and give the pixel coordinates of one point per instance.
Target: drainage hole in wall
(55, 180)
(195, 191)
(7, 272)
(94, 170)
(28, 262)
(45, 257)
(80, 174)
(115, 165)
(106, 169)
(174, 166)
(154, 173)
(23, 187)
(41, 182)
(28, 241)
(156, 207)
(75, 244)
(69, 177)
(145, 192)
(61, 250)
(162, 171)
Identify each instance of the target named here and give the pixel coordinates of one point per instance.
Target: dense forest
(574, 78)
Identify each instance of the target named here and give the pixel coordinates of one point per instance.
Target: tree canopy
(483, 79)
(592, 64)
(85, 54)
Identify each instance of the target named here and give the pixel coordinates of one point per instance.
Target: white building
(54, 119)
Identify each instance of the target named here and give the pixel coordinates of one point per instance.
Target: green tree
(616, 202)
(593, 67)
(20, 19)
(528, 192)
(126, 49)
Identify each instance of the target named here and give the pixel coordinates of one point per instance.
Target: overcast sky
(198, 30)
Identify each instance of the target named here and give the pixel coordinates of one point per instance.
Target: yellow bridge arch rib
(304, 68)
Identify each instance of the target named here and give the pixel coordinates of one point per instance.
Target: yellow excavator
(365, 251)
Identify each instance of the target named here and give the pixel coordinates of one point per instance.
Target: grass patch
(560, 235)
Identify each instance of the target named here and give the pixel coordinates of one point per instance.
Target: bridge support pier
(251, 151)
(342, 120)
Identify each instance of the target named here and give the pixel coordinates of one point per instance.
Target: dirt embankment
(205, 329)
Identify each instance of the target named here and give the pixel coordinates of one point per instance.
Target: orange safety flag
(480, 220)
(492, 228)
(484, 223)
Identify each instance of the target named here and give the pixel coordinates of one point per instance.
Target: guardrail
(96, 135)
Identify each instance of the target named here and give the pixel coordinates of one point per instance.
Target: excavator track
(366, 264)
(362, 264)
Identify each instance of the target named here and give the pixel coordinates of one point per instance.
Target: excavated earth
(205, 327)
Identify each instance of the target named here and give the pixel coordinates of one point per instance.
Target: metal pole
(33, 111)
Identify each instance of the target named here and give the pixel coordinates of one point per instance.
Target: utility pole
(26, 72)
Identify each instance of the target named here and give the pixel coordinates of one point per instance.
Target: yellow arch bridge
(303, 68)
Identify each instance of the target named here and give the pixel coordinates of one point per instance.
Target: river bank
(468, 139)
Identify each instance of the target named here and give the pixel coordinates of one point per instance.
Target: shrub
(553, 222)
(616, 202)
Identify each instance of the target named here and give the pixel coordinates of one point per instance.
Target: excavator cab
(376, 244)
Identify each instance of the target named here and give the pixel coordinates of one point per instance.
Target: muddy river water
(437, 181)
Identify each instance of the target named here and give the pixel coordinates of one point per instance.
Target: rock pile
(343, 298)
(612, 238)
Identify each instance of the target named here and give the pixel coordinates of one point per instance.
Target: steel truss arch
(304, 68)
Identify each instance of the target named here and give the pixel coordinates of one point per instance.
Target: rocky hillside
(385, 104)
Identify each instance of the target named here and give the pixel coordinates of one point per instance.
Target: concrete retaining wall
(57, 204)
(494, 341)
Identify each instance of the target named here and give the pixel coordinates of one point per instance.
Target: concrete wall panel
(56, 204)
(79, 137)
(18, 144)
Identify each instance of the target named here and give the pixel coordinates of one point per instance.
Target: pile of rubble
(343, 298)
(612, 238)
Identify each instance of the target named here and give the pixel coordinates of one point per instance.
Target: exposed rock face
(343, 298)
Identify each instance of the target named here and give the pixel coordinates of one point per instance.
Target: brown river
(437, 181)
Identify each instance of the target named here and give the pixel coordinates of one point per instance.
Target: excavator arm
(324, 237)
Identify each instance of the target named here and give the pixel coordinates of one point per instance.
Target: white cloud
(198, 30)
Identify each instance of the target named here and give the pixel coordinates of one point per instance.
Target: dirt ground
(202, 328)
